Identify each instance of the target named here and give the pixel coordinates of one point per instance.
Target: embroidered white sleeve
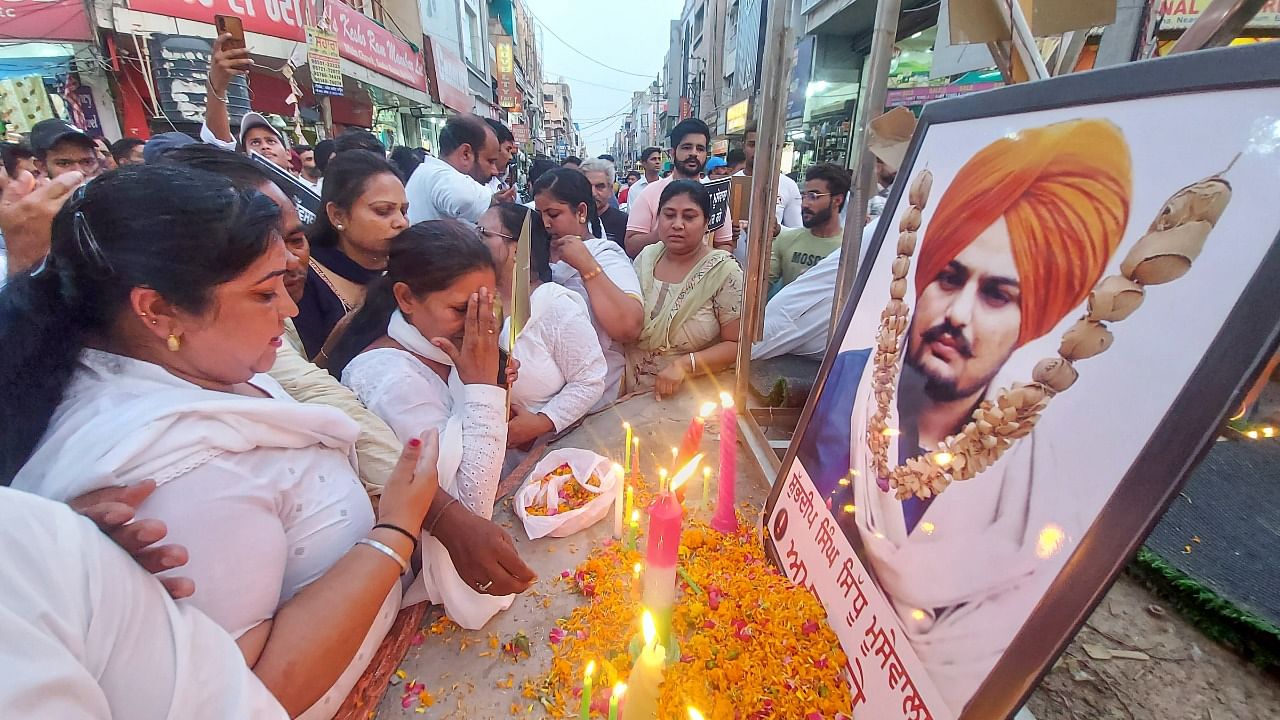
(576, 351)
(484, 446)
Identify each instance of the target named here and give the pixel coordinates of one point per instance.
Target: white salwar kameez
(263, 492)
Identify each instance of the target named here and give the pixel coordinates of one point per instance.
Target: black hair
(836, 177)
(324, 151)
(572, 188)
(736, 156)
(644, 154)
(686, 127)
(405, 161)
(540, 166)
(605, 157)
(243, 172)
(462, 130)
(694, 189)
(178, 231)
(572, 159)
(636, 173)
(513, 217)
(502, 132)
(121, 148)
(303, 148)
(358, 139)
(428, 257)
(344, 181)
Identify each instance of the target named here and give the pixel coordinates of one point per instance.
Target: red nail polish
(415, 442)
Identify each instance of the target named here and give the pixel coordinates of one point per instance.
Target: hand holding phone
(230, 25)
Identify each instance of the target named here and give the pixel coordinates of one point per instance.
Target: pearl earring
(339, 227)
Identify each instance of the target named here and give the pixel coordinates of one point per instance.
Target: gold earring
(174, 342)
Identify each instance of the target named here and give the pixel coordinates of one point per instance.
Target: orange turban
(1063, 190)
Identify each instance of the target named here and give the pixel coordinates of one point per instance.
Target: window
(697, 22)
(471, 38)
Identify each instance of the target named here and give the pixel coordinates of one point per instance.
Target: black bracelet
(400, 530)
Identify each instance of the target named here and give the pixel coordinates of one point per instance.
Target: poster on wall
(324, 61)
(1048, 331)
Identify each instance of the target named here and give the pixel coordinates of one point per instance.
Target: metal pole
(780, 34)
(875, 80)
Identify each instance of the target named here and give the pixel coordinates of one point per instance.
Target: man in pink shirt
(689, 141)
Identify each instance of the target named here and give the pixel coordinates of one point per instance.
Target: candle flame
(619, 689)
(617, 468)
(635, 517)
(706, 471)
(706, 409)
(626, 426)
(726, 400)
(591, 669)
(637, 568)
(694, 714)
(683, 474)
(649, 629)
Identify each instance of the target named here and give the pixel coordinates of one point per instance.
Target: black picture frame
(1247, 339)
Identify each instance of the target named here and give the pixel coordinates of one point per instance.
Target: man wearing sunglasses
(795, 250)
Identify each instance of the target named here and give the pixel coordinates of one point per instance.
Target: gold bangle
(592, 274)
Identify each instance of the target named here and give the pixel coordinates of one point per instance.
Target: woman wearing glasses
(562, 368)
(795, 250)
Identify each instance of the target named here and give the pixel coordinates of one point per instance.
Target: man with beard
(1019, 238)
(689, 141)
(455, 185)
(795, 250)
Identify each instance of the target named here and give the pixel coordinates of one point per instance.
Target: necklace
(1164, 254)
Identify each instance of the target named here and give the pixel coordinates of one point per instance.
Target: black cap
(162, 143)
(47, 133)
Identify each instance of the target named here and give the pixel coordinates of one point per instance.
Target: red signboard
(363, 41)
(277, 18)
(521, 133)
(449, 85)
(360, 39)
(44, 20)
(686, 109)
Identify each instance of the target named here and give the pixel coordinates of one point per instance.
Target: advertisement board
(324, 61)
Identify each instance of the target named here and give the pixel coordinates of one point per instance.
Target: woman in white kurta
(422, 352)
(140, 345)
(595, 268)
(93, 636)
(562, 369)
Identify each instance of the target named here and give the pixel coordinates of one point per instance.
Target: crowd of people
(309, 416)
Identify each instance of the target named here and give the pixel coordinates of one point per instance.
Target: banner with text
(324, 61)
(365, 42)
(505, 73)
(44, 20)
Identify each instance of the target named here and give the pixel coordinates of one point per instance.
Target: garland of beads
(1164, 254)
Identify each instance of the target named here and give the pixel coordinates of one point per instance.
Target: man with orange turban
(1019, 238)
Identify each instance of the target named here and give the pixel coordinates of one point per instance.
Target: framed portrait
(1071, 282)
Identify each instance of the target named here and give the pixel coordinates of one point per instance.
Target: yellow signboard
(735, 118)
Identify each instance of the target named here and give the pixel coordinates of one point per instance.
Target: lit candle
(665, 520)
(706, 489)
(694, 714)
(635, 461)
(726, 517)
(635, 580)
(618, 502)
(585, 712)
(626, 449)
(614, 697)
(662, 480)
(646, 675)
(693, 435)
(632, 528)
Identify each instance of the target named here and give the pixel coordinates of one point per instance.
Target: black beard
(685, 169)
(816, 219)
(940, 389)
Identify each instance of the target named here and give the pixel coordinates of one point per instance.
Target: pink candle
(693, 435)
(726, 517)
(666, 518)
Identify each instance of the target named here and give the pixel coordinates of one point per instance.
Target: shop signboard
(1182, 14)
(277, 18)
(686, 108)
(735, 118)
(365, 42)
(44, 20)
(448, 76)
(798, 91)
(521, 133)
(907, 97)
(505, 73)
(324, 62)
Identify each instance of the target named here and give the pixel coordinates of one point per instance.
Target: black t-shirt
(615, 225)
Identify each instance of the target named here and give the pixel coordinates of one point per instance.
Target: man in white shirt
(310, 175)
(651, 163)
(689, 142)
(788, 207)
(454, 185)
(507, 150)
